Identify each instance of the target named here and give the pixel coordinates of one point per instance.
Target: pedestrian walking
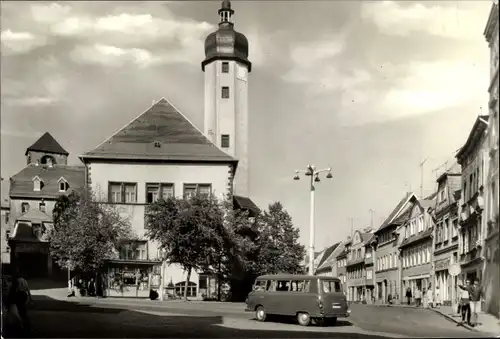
(408, 295)
(17, 300)
(437, 299)
(475, 296)
(418, 297)
(465, 302)
(430, 298)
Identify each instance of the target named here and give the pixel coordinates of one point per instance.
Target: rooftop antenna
(352, 226)
(422, 177)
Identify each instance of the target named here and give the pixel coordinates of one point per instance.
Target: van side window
(331, 286)
(271, 285)
(299, 286)
(283, 286)
(260, 285)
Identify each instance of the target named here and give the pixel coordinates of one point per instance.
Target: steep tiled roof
(477, 129)
(245, 203)
(395, 211)
(164, 126)
(342, 254)
(402, 217)
(47, 144)
(416, 237)
(333, 256)
(327, 254)
(21, 184)
(24, 232)
(427, 203)
(35, 216)
(367, 237)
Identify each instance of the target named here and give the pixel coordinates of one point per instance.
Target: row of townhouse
(423, 236)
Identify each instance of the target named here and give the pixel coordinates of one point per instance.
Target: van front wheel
(303, 318)
(260, 314)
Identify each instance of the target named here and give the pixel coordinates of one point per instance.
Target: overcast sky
(368, 88)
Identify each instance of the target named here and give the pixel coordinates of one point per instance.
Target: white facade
(226, 114)
(138, 175)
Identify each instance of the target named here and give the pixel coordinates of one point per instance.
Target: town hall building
(162, 154)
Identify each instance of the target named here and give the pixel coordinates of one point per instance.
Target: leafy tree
(189, 231)
(86, 233)
(64, 209)
(280, 250)
(240, 253)
(265, 244)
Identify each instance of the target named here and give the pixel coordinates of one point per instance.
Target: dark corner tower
(226, 68)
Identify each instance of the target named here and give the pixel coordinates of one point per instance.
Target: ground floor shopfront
(491, 275)
(445, 287)
(387, 283)
(32, 259)
(420, 282)
(135, 278)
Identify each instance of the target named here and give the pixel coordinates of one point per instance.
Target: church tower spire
(226, 68)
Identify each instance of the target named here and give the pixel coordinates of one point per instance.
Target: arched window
(390, 260)
(48, 160)
(191, 292)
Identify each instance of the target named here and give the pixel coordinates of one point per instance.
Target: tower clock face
(241, 72)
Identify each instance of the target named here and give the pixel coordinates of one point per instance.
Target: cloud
(16, 133)
(400, 19)
(48, 91)
(421, 87)
(435, 86)
(318, 65)
(115, 39)
(108, 55)
(20, 42)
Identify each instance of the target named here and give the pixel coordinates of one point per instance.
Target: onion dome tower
(226, 43)
(226, 67)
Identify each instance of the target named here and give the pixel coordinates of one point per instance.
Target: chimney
(154, 102)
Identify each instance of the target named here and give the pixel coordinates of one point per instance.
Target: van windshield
(331, 286)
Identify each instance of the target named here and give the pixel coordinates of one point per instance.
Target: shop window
(191, 290)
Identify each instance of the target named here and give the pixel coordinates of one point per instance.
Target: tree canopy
(190, 232)
(86, 233)
(280, 250)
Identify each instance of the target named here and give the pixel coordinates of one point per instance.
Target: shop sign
(31, 248)
(442, 264)
(128, 275)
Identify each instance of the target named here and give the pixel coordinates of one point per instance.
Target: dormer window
(63, 185)
(37, 184)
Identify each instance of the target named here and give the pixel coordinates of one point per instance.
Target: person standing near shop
(475, 296)
(465, 302)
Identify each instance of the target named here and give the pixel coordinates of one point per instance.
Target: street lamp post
(313, 172)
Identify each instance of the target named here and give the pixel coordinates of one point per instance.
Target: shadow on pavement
(52, 318)
(47, 284)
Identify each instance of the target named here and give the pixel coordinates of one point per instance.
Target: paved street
(144, 318)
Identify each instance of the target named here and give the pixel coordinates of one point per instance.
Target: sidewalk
(487, 323)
